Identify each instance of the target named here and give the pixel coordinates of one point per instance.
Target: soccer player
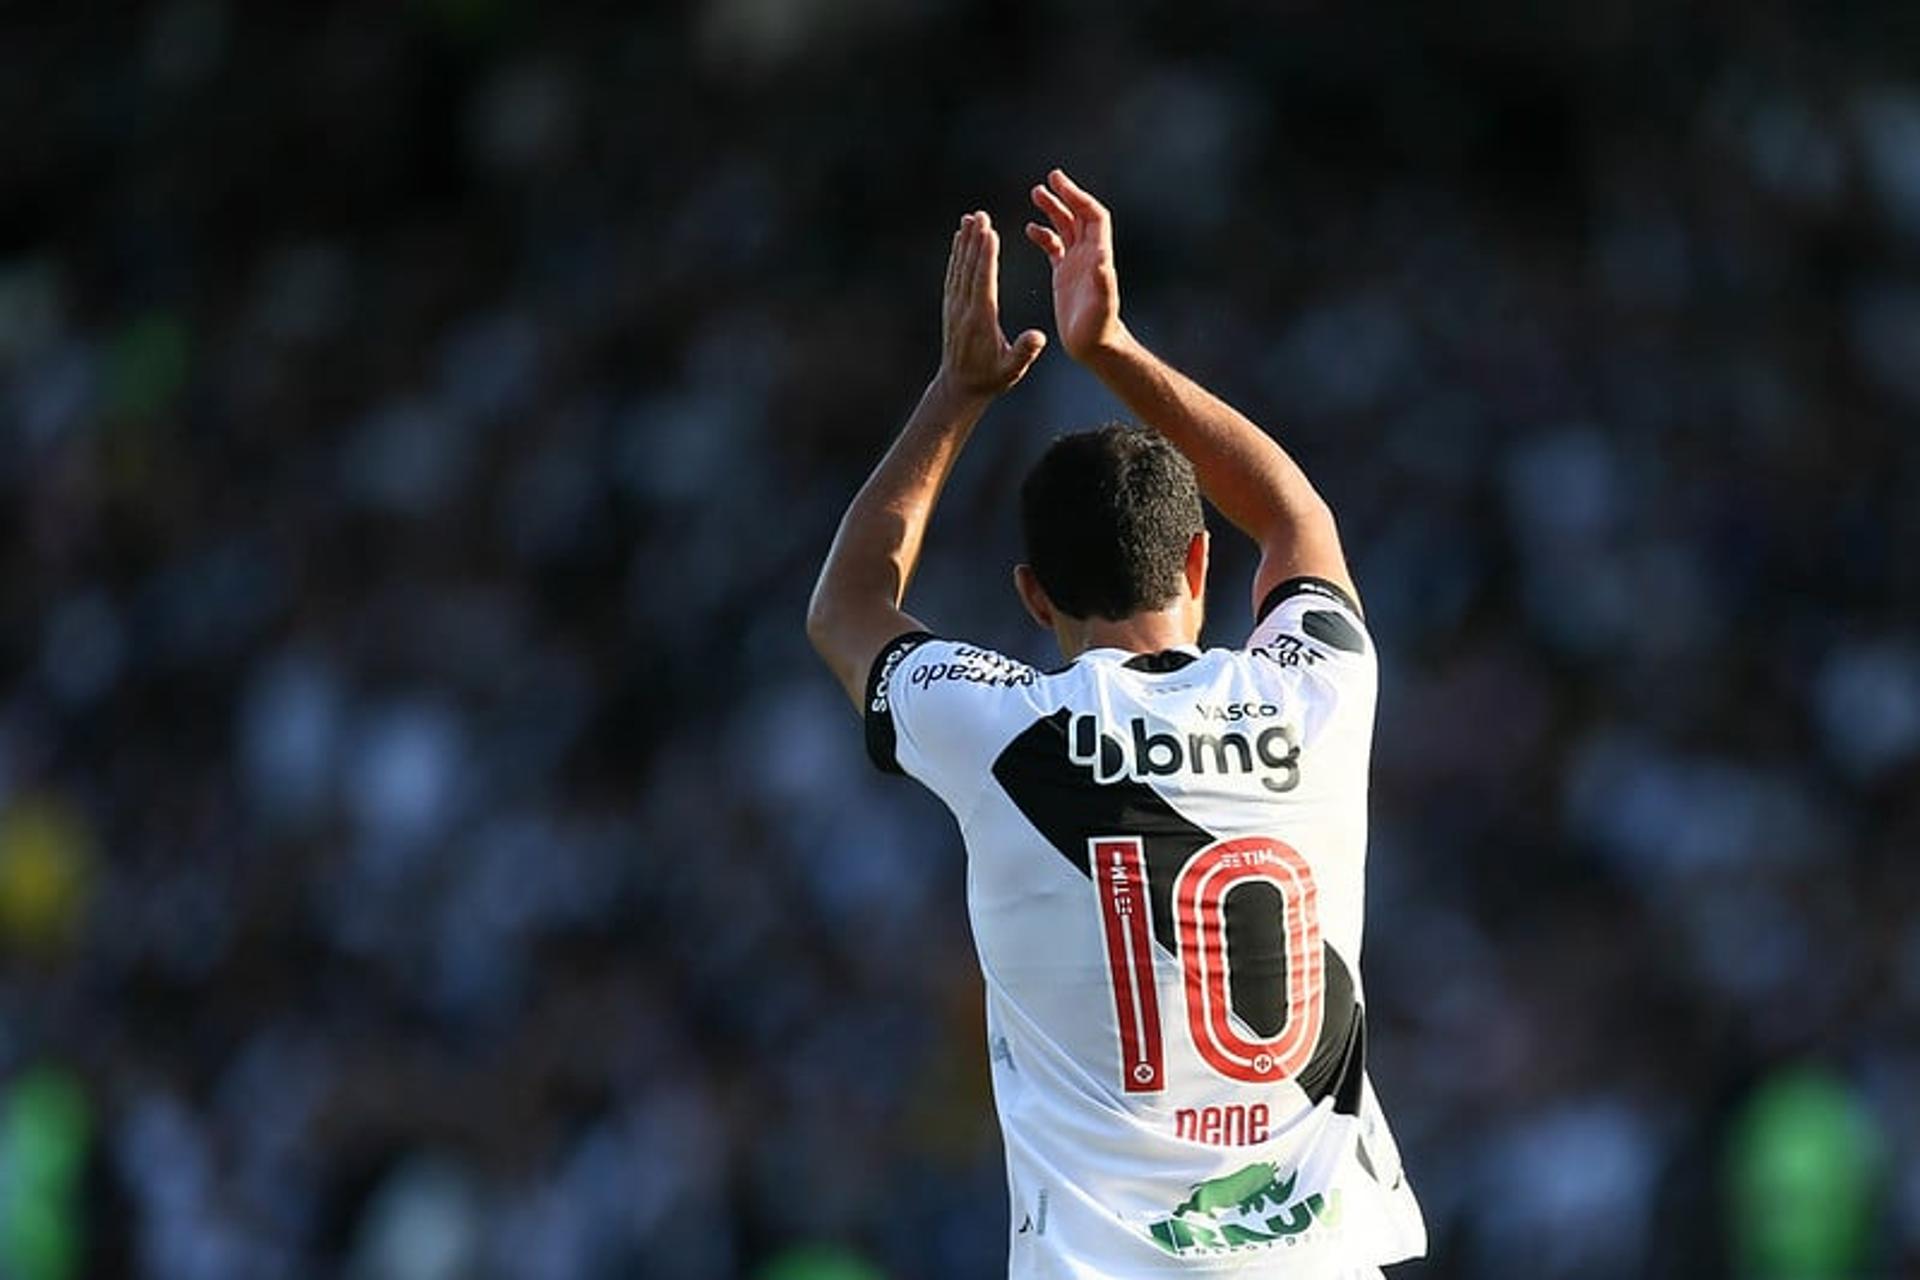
(1165, 845)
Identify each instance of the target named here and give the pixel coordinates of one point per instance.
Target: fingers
(987, 281)
(969, 255)
(1017, 357)
(1062, 218)
(1047, 241)
(953, 261)
(1021, 354)
(964, 261)
(1076, 197)
(975, 261)
(975, 353)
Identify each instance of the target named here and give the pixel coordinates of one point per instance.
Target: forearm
(878, 545)
(1241, 469)
(855, 610)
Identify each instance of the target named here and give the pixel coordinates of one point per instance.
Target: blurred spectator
(46, 866)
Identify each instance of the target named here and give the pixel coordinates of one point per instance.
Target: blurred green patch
(147, 366)
(45, 1125)
(819, 1262)
(1803, 1170)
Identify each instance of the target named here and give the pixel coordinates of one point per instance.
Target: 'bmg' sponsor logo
(1273, 752)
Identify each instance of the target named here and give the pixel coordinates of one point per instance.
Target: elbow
(1308, 508)
(1306, 518)
(1323, 520)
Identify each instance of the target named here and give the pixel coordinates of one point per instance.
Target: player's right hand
(975, 357)
(1079, 245)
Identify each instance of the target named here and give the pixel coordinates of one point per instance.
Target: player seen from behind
(1165, 845)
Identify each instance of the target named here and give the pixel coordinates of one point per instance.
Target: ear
(1033, 595)
(1197, 565)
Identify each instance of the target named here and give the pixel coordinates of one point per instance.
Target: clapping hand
(1079, 246)
(976, 360)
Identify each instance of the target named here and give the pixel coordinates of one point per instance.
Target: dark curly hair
(1107, 515)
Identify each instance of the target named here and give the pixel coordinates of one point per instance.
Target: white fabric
(1112, 1183)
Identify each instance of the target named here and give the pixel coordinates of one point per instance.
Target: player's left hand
(975, 357)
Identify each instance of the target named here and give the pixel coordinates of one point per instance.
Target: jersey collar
(1165, 660)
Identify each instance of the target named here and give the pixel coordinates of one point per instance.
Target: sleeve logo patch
(896, 654)
(971, 665)
(1289, 651)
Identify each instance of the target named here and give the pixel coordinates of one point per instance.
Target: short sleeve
(1312, 623)
(940, 711)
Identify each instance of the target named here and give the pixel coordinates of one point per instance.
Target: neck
(1138, 633)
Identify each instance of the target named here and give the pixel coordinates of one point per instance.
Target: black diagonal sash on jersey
(1068, 806)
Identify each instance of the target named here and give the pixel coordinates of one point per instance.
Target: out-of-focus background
(428, 850)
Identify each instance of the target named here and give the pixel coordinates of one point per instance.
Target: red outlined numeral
(1200, 892)
(1200, 912)
(1119, 865)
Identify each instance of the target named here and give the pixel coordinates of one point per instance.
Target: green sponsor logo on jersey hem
(1252, 1208)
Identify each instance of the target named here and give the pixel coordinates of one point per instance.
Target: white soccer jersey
(1165, 866)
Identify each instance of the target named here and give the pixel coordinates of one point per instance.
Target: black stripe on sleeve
(1332, 628)
(1305, 586)
(882, 741)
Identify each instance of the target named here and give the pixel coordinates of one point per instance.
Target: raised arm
(855, 608)
(1241, 469)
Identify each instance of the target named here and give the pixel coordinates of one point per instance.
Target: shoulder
(1308, 621)
(936, 694)
(1312, 642)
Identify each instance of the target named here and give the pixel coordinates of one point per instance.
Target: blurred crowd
(429, 850)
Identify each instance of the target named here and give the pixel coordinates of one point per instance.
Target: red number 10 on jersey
(1200, 891)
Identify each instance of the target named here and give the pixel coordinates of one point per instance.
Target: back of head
(1108, 515)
